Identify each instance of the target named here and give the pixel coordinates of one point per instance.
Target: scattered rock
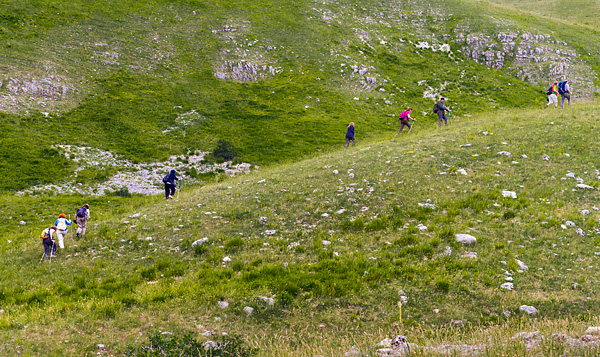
(263, 220)
(22, 223)
(387, 342)
(223, 304)
(585, 212)
(248, 310)
(593, 330)
(465, 238)
(427, 205)
(508, 286)
(580, 232)
(268, 300)
(472, 255)
(200, 241)
(351, 176)
(581, 185)
(353, 352)
(335, 172)
(100, 346)
(522, 265)
(506, 153)
(546, 157)
(509, 194)
(529, 309)
(459, 323)
(270, 232)
(226, 259)
(403, 299)
(570, 224)
(422, 228)
(462, 171)
(135, 215)
(340, 211)
(326, 242)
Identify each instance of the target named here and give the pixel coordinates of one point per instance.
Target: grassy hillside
(279, 80)
(334, 252)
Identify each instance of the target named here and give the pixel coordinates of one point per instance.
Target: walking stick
(179, 187)
(51, 250)
(410, 130)
(449, 120)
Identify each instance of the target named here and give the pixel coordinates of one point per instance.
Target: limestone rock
(465, 238)
(248, 310)
(528, 309)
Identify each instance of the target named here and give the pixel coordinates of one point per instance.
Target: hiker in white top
(62, 224)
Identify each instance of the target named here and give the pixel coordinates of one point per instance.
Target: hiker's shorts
(552, 98)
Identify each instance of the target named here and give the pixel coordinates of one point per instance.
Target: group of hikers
(59, 231)
(439, 108)
(556, 89)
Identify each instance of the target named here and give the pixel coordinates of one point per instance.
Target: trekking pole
(51, 250)
(43, 255)
(410, 130)
(179, 187)
(449, 120)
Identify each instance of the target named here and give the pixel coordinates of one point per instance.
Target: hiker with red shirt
(404, 120)
(552, 96)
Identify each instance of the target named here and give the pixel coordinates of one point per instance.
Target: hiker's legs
(442, 117)
(61, 238)
(47, 242)
(404, 123)
(562, 100)
(80, 225)
(167, 190)
(353, 142)
(347, 142)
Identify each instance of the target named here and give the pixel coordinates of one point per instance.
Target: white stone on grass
(465, 238)
(472, 255)
(268, 300)
(222, 304)
(593, 330)
(200, 241)
(507, 286)
(427, 205)
(226, 259)
(22, 223)
(462, 171)
(509, 194)
(248, 310)
(335, 172)
(326, 242)
(505, 153)
(422, 227)
(270, 232)
(340, 211)
(582, 185)
(570, 224)
(528, 309)
(522, 265)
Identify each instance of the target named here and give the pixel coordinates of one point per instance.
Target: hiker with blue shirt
(62, 225)
(350, 135)
(565, 92)
(169, 181)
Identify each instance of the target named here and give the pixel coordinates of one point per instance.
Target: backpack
(403, 115)
(166, 178)
(45, 233)
(81, 212)
(435, 108)
(549, 91)
(561, 88)
(62, 225)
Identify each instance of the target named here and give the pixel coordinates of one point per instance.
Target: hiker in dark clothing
(440, 108)
(170, 185)
(81, 217)
(48, 241)
(404, 119)
(350, 135)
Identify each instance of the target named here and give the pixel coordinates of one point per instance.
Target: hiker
(565, 92)
(62, 225)
(170, 185)
(552, 95)
(81, 217)
(440, 108)
(404, 120)
(350, 135)
(48, 242)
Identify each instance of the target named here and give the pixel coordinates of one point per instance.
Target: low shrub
(187, 346)
(442, 284)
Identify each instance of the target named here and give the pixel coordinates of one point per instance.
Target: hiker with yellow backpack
(62, 225)
(48, 242)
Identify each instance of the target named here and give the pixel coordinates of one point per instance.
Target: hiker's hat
(62, 215)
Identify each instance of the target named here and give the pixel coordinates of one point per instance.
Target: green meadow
(310, 254)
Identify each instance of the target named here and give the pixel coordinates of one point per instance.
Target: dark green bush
(442, 284)
(148, 273)
(224, 151)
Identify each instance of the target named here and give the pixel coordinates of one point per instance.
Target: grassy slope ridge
(131, 276)
(130, 77)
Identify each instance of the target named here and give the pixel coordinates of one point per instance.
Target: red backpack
(404, 115)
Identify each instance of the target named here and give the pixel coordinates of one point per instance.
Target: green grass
(130, 77)
(125, 280)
